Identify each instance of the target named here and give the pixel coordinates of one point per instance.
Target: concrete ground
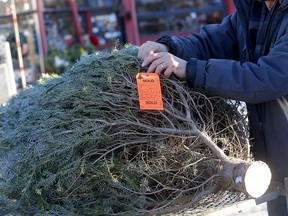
(241, 208)
(227, 204)
(244, 208)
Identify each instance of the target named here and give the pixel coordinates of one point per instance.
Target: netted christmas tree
(78, 144)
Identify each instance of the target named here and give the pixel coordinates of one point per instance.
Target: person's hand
(150, 47)
(166, 63)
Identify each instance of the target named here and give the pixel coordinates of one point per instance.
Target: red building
(149, 19)
(47, 25)
(132, 21)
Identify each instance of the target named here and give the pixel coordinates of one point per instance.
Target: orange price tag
(149, 91)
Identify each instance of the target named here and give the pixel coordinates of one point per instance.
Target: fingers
(166, 70)
(150, 57)
(166, 63)
(162, 64)
(157, 62)
(172, 64)
(146, 48)
(150, 47)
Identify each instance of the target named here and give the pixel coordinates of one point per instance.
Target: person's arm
(214, 41)
(254, 83)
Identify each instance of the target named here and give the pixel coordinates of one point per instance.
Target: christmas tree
(78, 144)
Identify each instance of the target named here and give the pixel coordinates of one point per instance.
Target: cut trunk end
(252, 178)
(257, 179)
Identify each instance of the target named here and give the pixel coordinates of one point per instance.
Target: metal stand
(276, 189)
(286, 191)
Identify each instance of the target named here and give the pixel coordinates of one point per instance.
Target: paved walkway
(244, 208)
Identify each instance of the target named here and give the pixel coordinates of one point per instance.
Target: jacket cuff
(195, 73)
(168, 41)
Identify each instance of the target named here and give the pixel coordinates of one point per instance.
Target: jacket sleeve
(214, 41)
(253, 83)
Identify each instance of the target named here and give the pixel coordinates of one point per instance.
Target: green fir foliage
(77, 144)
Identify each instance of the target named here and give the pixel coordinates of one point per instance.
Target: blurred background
(46, 36)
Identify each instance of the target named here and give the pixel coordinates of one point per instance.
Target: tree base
(252, 178)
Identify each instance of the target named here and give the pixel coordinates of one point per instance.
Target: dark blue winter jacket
(219, 61)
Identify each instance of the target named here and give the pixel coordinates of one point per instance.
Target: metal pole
(39, 7)
(230, 8)
(131, 22)
(76, 21)
(38, 32)
(18, 44)
(286, 191)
